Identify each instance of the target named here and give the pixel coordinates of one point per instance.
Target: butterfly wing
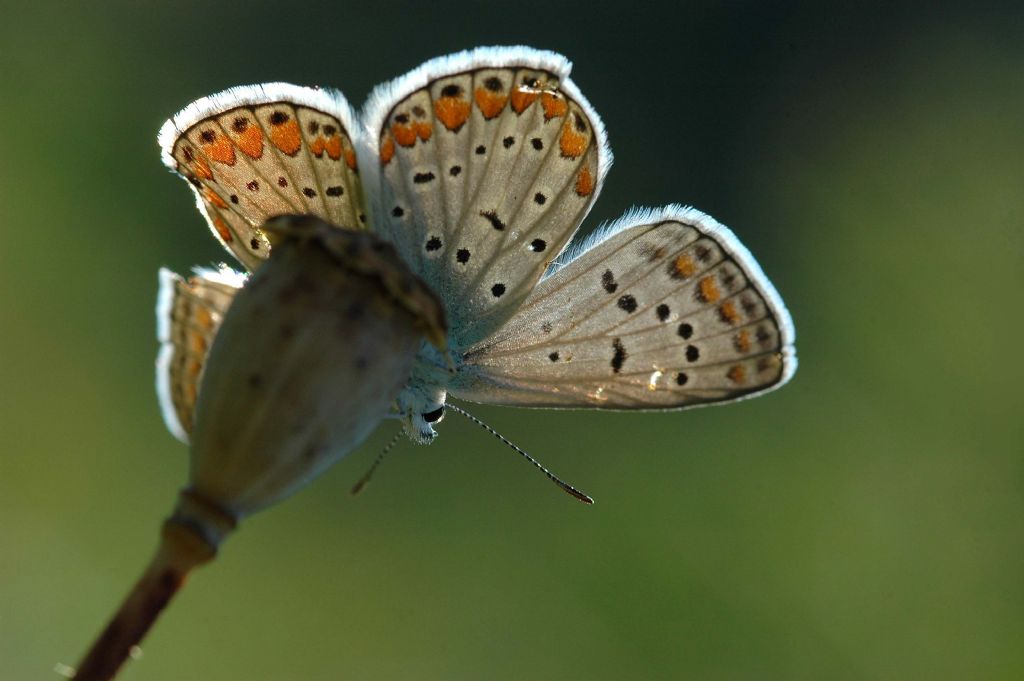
(189, 312)
(484, 165)
(664, 309)
(253, 152)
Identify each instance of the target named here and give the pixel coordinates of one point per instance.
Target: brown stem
(181, 549)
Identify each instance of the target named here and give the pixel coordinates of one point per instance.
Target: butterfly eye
(432, 416)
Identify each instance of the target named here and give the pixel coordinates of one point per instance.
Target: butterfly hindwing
(189, 313)
(663, 310)
(486, 163)
(254, 152)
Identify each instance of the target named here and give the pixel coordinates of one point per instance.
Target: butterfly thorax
(420, 405)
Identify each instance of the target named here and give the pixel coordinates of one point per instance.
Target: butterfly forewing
(189, 312)
(488, 163)
(254, 152)
(667, 310)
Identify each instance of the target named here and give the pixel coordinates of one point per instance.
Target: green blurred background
(865, 522)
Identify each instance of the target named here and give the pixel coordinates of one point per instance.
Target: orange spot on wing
(350, 158)
(453, 112)
(194, 367)
(222, 229)
(554, 105)
(191, 393)
(203, 318)
(728, 313)
(317, 147)
(250, 141)
(404, 134)
(333, 147)
(683, 266)
(287, 136)
(737, 373)
(387, 149)
(423, 130)
(196, 343)
(490, 103)
(742, 341)
(202, 169)
(708, 291)
(220, 150)
(522, 97)
(214, 198)
(572, 142)
(585, 182)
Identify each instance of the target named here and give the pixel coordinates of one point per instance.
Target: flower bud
(309, 358)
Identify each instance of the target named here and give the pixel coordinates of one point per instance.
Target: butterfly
(478, 168)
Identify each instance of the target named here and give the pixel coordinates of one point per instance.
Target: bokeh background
(863, 523)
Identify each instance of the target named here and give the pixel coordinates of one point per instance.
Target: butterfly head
(419, 426)
(421, 407)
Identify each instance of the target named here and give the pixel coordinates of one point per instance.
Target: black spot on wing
(619, 358)
(492, 217)
(608, 281)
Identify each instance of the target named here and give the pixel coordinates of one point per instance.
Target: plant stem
(182, 548)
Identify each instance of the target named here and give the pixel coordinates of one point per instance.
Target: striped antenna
(566, 487)
(358, 487)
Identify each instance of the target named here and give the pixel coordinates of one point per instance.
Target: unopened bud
(309, 358)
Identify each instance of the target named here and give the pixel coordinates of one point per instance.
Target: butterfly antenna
(585, 498)
(358, 487)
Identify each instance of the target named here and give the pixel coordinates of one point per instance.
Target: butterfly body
(479, 168)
